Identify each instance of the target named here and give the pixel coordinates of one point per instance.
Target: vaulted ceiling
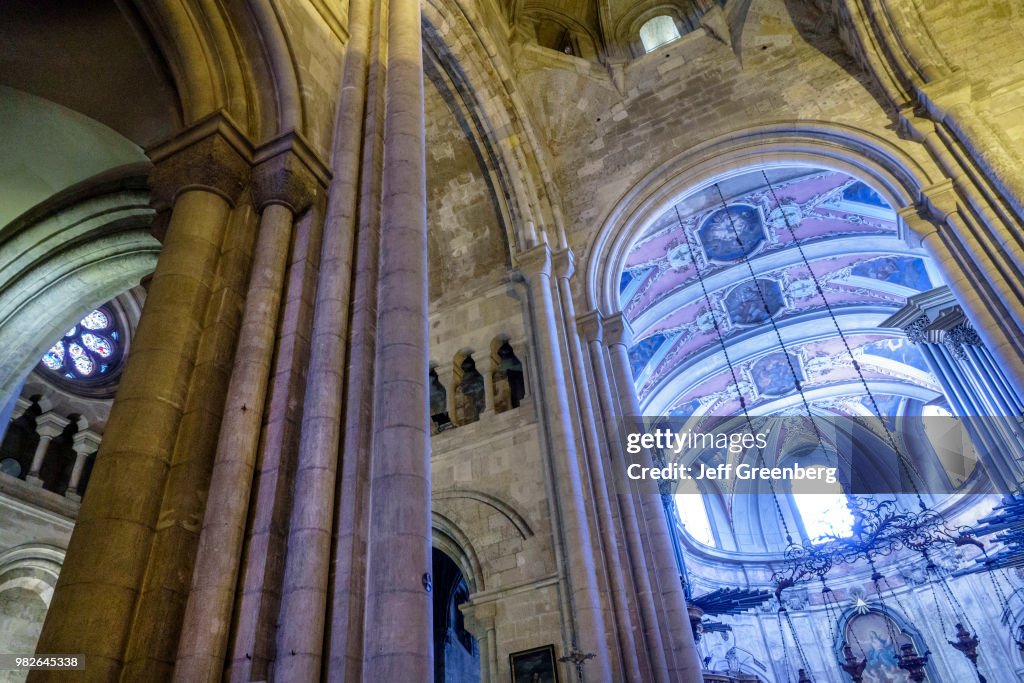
(772, 266)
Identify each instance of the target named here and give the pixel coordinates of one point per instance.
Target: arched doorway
(456, 651)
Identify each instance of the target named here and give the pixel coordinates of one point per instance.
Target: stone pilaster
(579, 559)
(605, 525)
(684, 662)
(304, 599)
(591, 327)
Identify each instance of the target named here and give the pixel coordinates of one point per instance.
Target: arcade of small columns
(49, 425)
(205, 549)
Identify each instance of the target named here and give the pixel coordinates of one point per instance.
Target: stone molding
(535, 261)
(213, 155)
(618, 330)
(85, 442)
(565, 263)
(589, 325)
(289, 173)
(50, 425)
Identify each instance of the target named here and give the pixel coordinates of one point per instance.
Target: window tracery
(89, 350)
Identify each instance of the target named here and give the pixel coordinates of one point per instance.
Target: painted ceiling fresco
(744, 246)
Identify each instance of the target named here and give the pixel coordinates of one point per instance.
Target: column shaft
(627, 639)
(398, 641)
(258, 605)
(656, 645)
(358, 195)
(202, 648)
(156, 625)
(108, 552)
(585, 602)
(42, 446)
(676, 620)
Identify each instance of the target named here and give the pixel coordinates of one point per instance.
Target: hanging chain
(732, 370)
(771, 318)
(782, 636)
(901, 459)
(938, 609)
(828, 597)
(796, 641)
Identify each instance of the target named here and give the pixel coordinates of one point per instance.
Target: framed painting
(534, 666)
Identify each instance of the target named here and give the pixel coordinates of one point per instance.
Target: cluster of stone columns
(972, 380)
(49, 425)
(261, 505)
(284, 340)
(626, 604)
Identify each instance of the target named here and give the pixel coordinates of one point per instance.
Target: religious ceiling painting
(826, 255)
(732, 232)
(754, 302)
(774, 374)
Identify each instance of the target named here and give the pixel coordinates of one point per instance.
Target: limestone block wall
(466, 241)
(490, 487)
(782, 63)
(981, 40)
(317, 33)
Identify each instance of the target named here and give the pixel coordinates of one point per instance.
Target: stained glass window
(88, 350)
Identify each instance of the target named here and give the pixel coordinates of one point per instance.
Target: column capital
(50, 425)
(212, 155)
(941, 200)
(288, 172)
(589, 325)
(20, 406)
(479, 618)
(86, 442)
(535, 261)
(920, 224)
(618, 330)
(564, 262)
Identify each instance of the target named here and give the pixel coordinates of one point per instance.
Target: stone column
(300, 638)
(284, 185)
(200, 173)
(479, 621)
(564, 263)
(48, 427)
(397, 641)
(1000, 335)
(553, 407)
(85, 442)
(974, 384)
(675, 620)
(591, 328)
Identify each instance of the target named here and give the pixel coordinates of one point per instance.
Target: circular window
(90, 351)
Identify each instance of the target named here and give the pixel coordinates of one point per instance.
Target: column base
(33, 480)
(73, 495)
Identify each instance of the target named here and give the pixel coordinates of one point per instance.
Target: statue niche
(439, 404)
(469, 393)
(507, 378)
